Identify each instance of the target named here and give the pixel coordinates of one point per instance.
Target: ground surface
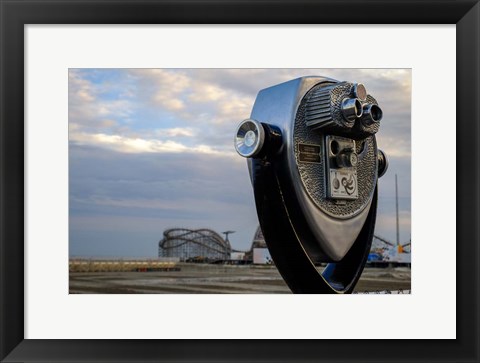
(215, 279)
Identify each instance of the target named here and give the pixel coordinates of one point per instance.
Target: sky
(151, 149)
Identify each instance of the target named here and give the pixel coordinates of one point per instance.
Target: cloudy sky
(151, 149)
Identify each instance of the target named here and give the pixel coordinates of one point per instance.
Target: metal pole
(396, 204)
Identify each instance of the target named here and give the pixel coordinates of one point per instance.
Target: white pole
(396, 203)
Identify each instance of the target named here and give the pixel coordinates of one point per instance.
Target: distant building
(201, 245)
(261, 256)
(258, 242)
(258, 239)
(237, 256)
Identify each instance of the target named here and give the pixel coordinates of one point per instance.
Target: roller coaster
(194, 245)
(206, 245)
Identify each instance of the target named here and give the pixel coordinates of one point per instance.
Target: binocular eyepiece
(314, 165)
(249, 138)
(255, 140)
(343, 108)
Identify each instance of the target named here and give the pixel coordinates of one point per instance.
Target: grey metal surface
(278, 105)
(343, 108)
(367, 124)
(249, 138)
(324, 106)
(313, 175)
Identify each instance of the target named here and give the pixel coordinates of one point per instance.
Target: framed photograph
(51, 49)
(155, 180)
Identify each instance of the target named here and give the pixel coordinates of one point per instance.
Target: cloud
(195, 190)
(216, 100)
(205, 92)
(79, 88)
(137, 145)
(152, 149)
(191, 98)
(176, 132)
(386, 226)
(397, 146)
(93, 105)
(164, 86)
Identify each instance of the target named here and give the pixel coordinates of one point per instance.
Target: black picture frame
(15, 14)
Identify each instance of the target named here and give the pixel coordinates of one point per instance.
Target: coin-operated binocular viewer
(314, 166)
